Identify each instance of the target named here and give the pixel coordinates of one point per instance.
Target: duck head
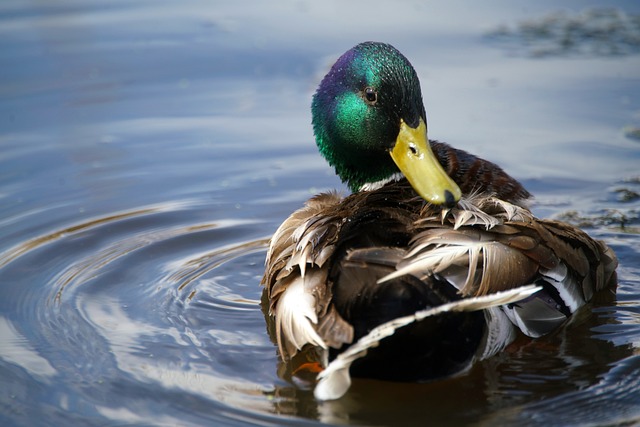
(370, 124)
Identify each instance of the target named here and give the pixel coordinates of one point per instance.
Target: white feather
(299, 231)
(334, 381)
(500, 333)
(440, 258)
(295, 318)
(560, 279)
(513, 212)
(434, 261)
(474, 217)
(472, 214)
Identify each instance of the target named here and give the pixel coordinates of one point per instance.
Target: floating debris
(593, 32)
(632, 132)
(626, 195)
(625, 221)
(626, 218)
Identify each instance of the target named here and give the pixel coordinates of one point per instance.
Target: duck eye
(370, 95)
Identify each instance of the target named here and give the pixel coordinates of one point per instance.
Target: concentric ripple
(144, 305)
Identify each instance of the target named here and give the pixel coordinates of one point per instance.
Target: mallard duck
(433, 262)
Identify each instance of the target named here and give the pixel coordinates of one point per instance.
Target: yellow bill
(412, 153)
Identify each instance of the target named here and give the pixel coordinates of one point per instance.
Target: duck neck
(370, 186)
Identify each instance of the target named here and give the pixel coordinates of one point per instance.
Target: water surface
(148, 150)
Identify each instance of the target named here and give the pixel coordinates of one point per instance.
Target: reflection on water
(148, 151)
(17, 350)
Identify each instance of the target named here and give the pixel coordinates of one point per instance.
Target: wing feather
(296, 285)
(334, 381)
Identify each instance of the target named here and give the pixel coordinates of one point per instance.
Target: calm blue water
(148, 150)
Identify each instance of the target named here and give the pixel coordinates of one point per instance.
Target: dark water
(148, 149)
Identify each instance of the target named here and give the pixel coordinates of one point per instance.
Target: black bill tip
(449, 200)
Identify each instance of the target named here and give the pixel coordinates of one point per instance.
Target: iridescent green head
(370, 123)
